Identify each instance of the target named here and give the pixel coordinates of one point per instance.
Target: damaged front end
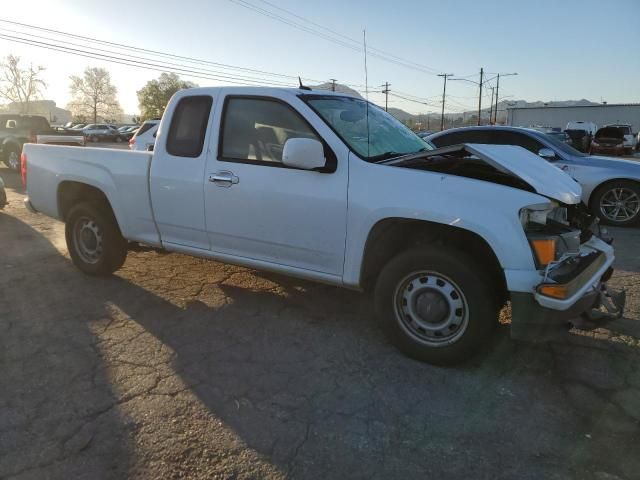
(574, 256)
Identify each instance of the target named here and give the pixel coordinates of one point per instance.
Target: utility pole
(386, 95)
(491, 107)
(333, 84)
(444, 93)
(480, 96)
(497, 90)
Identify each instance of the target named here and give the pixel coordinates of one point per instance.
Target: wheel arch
(70, 193)
(607, 182)
(390, 236)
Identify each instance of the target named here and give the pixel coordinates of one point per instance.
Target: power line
(139, 64)
(149, 51)
(334, 37)
(134, 58)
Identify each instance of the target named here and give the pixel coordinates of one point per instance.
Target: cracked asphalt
(178, 367)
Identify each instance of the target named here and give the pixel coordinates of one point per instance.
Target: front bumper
(589, 304)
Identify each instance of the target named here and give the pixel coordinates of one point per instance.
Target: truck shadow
(297, 373)
(57, 406)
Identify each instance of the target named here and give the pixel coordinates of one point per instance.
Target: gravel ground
(182, 368)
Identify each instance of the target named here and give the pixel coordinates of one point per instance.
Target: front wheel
(94, 241)
(435, 304)
(618, 203)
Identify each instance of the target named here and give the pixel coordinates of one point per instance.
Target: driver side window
(254, 130)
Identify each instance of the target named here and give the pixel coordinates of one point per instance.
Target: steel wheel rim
(88, 240)
(620, 204)
(431, 308)
(14, 160)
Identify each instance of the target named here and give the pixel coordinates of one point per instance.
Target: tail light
(23, 169)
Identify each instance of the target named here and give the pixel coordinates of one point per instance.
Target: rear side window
(144, 128)
(455, 138)
(501, 137)
(189, 126)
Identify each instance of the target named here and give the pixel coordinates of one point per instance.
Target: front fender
(491, 211)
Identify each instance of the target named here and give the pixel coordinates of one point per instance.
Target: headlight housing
(549, 234)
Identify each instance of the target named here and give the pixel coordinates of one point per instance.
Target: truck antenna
(301, 86)
(366, 86)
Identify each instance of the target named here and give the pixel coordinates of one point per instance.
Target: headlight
(549, 233)
(536, 214)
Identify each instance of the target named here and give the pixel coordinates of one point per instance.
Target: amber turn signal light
(553, 291)
(545, 249)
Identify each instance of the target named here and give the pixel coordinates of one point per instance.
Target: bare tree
(94, 96)
(20, 85)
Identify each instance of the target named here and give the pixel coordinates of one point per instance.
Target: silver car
(610, 187)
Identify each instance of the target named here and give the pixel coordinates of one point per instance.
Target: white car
(326, 187)
(145, 136)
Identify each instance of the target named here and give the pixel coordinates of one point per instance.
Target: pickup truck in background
(16, 130)
(327, 187)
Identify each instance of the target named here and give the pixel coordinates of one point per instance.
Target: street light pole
(444, 93)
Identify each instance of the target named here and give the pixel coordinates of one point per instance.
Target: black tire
(453, 268)
(603, 196)
(12, 155)
(111, 249)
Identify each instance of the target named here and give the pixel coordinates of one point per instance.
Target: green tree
(94, 96)
(155, 95)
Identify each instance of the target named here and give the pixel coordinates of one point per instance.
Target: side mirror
(547, 153)
(304, 153)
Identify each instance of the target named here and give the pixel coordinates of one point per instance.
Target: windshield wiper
(384, 156)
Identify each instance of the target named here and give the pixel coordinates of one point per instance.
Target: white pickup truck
(327, 187)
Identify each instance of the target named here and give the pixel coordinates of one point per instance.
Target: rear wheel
(94, 241)
(435, 305)
(618, 203)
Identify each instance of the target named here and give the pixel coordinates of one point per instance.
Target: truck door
(177, 173)
(256, 207)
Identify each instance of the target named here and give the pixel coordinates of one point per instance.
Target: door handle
(223, 178)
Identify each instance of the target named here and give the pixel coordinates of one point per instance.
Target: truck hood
(544, 177)
(512, 166)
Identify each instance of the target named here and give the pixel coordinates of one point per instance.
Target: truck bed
(122, 175)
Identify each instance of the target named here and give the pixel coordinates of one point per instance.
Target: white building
(46, 108)
(559, 116)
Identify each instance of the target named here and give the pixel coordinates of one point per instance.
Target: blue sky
(561, 50)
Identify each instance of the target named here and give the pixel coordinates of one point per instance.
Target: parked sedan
(100, 132)
(610, 187)
(608, 140)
